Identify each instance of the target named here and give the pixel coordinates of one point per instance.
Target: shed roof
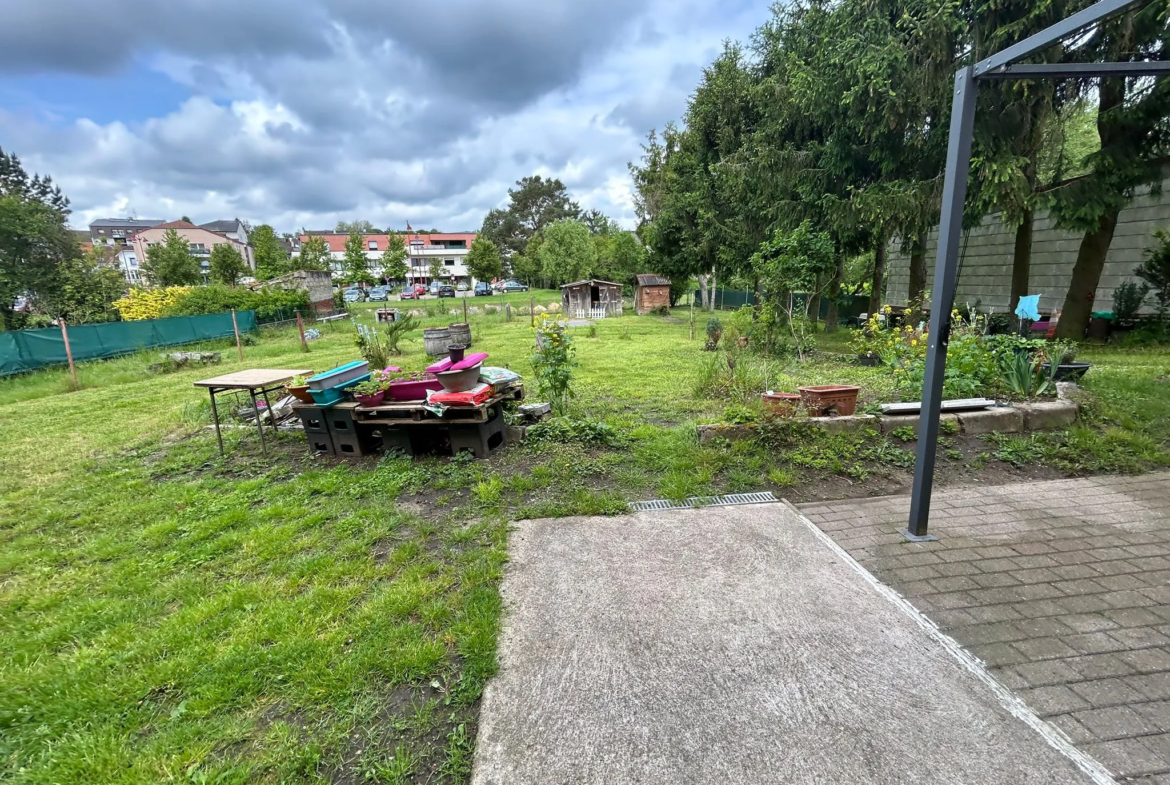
(591, 282)
(648, 279)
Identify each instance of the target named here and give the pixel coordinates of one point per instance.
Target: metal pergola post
(999, 66)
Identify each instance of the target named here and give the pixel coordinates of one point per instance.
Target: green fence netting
(848, 306)
(28, 350)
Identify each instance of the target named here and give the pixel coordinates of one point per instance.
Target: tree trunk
(917, 272)
(814, 304)
(834, 294)
(702, 292)
(1021, 264)
(879, 275)
(1078, 303)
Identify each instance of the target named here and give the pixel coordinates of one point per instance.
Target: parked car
(462, 286)
(379, 293)
(434, 289)
(352, 295)
(420, 289)
(408, 293)
(514, 286)
(483, 289)
(446, 290)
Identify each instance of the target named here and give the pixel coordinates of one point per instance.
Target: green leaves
(170, 263)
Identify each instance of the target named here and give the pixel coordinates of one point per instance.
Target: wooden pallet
(414, 413)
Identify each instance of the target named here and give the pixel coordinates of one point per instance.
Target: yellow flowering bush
(149, 303)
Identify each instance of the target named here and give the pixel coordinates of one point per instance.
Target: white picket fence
(598, 312)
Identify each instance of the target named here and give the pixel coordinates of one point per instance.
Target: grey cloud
(655, 110)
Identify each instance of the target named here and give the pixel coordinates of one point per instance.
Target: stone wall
(318, 283)
(986, 258)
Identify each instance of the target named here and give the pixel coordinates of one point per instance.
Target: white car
(462, 287)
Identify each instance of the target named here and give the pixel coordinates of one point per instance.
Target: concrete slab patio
(1061, 587)
(735, 645)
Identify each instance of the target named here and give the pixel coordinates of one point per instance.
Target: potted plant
(372, 391)
(830, 400)
(1062, 353)
(780, 404)
(298, 387)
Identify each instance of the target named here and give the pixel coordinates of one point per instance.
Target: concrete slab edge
(1015, 706)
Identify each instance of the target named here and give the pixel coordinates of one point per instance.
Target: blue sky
(303, 112)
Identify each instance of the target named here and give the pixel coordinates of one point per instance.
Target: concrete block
(1045, 415)
(732, 433)
(836, 425)
(890, 423)
(515, 434)
(1001, 420)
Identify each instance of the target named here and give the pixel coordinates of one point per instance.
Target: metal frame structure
(1002, 65)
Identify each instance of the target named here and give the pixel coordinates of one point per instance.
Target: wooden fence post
(301, 328)
(465, 309)
(532, 309)
(69, 355)
(236, 328)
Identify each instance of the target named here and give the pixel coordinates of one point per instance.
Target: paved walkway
(736, 645)
(1062, 587)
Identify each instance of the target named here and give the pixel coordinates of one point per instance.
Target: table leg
(259, 422)
(215, 416)
(271, 415)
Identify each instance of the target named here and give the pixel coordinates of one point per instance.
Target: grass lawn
(171, 616)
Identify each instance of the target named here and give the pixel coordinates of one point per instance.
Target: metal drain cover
(764, 497)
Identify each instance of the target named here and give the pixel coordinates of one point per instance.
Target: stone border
(1017, 418)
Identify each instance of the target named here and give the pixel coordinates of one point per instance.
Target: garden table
(256, 382)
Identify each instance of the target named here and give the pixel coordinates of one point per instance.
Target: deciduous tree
(170, 263)
(227, 266)
(356, 264)
(567, 253)
(394, 258)
(314, 255)
(271, 258)
(483, 260)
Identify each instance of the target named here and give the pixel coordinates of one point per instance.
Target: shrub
(1127, 300)
(566, 430)
(141, 303)
(553, 362)
(269, 304)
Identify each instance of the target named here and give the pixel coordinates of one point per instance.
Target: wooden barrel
(460, 334)
(436, 340)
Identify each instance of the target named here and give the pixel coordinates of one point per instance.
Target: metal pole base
(906, 535)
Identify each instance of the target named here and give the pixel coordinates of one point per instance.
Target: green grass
(171, 616)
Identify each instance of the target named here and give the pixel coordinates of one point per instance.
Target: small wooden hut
(652, 291)
(591, 299)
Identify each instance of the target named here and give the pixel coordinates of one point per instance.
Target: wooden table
(258, 381)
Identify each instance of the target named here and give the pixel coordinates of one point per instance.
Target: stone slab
(1000, 420)
(728, 645)
(1048, 415)
(855, 422)
(891, 422)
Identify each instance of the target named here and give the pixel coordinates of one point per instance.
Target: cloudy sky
(302, 112)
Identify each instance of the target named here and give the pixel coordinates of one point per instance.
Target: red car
(408, 293)
(420, 288)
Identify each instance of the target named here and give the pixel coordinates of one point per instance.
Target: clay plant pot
(780, 404)
(370, 400)
(830, 400)
(300, 392)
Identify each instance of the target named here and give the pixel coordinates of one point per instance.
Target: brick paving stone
(1071, 609)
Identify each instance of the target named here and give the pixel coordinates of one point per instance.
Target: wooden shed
(652, 291)
(591, 299)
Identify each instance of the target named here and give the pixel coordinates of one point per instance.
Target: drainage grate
(705, 501)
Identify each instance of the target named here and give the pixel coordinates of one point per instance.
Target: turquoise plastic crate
(332, 395)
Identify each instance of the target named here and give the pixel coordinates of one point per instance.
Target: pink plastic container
(412, 390)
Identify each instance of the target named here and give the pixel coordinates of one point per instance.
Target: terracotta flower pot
(781, 404)
(300, 392)
(830, 400)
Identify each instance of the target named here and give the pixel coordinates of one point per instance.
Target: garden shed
(652, 291)
(591, 299)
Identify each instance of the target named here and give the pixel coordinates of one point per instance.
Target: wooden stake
(465, 310)
(236, 327)
(69, 356)
(301, 328)
(532, 309)
(692, 317)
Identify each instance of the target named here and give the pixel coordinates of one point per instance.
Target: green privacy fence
(28, 350)
(849, 306)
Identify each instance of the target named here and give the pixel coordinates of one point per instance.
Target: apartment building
(449, 249)
(200, 241)
(111, 231)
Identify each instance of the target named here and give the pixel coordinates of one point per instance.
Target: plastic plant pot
(781, 404)
(455, 352)
(370, 400)
(830, 400)
(300, 392)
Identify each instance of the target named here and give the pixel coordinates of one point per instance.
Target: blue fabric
(1029, 307)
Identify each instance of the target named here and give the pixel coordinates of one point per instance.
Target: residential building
(450, 249)
(200, 241)
(234, 229)
(109, 231)
(127, 262)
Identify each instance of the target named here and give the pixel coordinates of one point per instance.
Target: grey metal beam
(1077, 70)
(946, 270)
(1050, 35)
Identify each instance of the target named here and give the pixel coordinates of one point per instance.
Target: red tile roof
(382, 238)
(176, 225)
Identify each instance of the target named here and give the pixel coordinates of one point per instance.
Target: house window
(373, 245)
(449, 262)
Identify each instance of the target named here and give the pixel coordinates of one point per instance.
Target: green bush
(566, 430)
(269, 304)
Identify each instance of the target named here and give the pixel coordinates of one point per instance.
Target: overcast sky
(303, 112)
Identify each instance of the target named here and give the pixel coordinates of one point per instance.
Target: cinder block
(1046, 415)
(1000, 420)
(836, 425)
(890, 423)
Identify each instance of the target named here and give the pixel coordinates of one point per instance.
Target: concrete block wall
(986, 273)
